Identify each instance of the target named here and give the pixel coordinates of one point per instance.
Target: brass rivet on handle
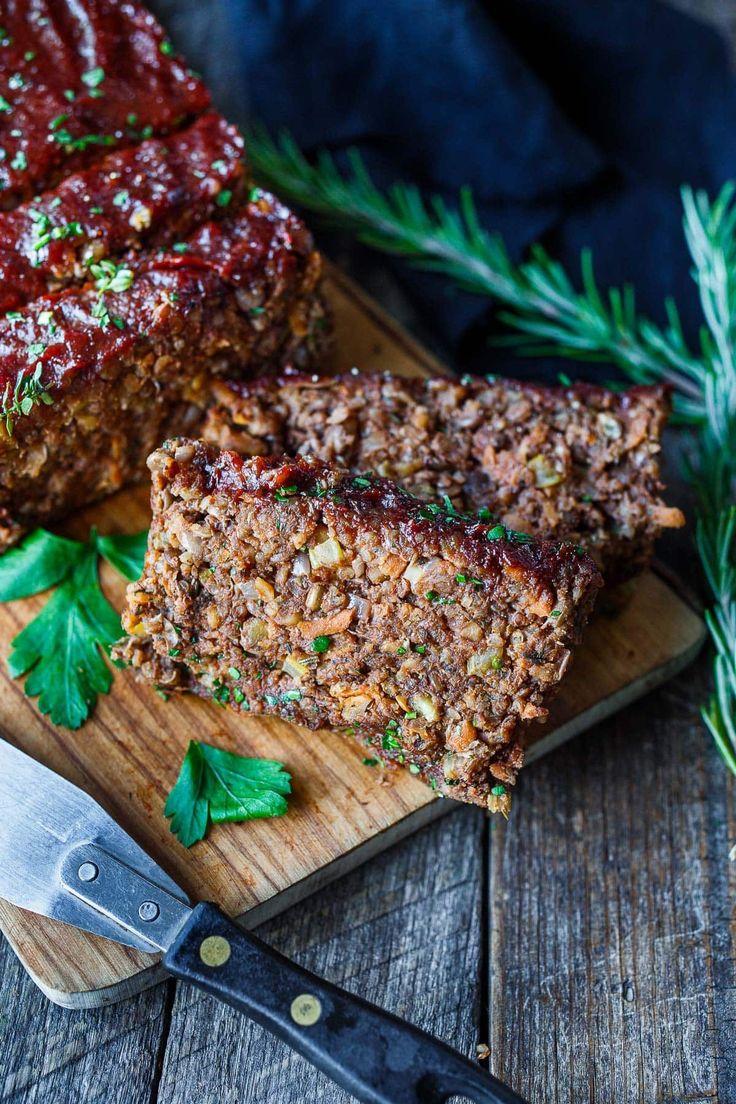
(214, 950)
(306, 1009)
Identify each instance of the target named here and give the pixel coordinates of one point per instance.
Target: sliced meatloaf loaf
(152, 194)
(79, 78)
(580, 462)
(295, 588)
(92, 378)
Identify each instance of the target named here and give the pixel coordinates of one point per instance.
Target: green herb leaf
(40, 561)
(94, 77)
(124, 553)
(215, 786)
(60, 648)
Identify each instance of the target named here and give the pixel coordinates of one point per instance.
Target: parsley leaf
(61, 649)
(124, 553)
(40, 561)
(216, 786)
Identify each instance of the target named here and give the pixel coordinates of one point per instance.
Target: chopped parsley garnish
(70, 95)
(60, 650)
(120, 199)
(401, 650)
(19, 162)
(223, 199)
(321, 644)
(484, 514)
(420, 648)
(233, 672)
(285, 492)
(219, 165)
(498, 791)
(216, 786)
(438, 599)
(166, 48)
(291, 695)
(361, 481)
(414, 769)
(93, 78)
(180, 247)
(5, 106)
(556, 613)
(370, 762)
(498, 532)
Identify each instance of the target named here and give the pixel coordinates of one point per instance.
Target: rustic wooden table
(590, 942)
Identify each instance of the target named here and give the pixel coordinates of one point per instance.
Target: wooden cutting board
(341, 812)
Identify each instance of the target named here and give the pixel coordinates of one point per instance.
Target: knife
(61, 855)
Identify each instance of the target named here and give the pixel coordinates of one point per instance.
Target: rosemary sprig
(543, 304)
(547, 314)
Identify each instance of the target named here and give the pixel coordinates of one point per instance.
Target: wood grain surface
(341, 812)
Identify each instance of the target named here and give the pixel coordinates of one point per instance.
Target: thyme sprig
(546, 313)
(20, 400)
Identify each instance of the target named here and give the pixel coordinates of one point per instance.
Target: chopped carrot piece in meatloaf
(294, 588)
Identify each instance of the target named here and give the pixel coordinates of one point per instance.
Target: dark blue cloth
(575, 122)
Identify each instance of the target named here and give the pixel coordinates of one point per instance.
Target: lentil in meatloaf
(578, 462)
(291, 587)
(92, 380)
(79, 79)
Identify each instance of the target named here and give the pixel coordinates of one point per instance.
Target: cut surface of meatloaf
(577, 462)
(291, 587)
(79, 78)
(152, 194)
(91, 379)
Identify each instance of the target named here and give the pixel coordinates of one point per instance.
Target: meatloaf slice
(578, 462)
(91, 379)
(294, 588)
(152, 194)
(79, 78)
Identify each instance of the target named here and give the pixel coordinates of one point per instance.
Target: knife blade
(63, 856)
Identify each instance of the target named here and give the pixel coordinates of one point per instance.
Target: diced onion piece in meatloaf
(294, 588)
(580, 462)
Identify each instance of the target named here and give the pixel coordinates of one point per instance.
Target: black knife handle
(377, 1057)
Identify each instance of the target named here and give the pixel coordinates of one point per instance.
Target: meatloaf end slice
(578, 462)
(91, 380)
(294, 588)
(78, 79)
(152, 194)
